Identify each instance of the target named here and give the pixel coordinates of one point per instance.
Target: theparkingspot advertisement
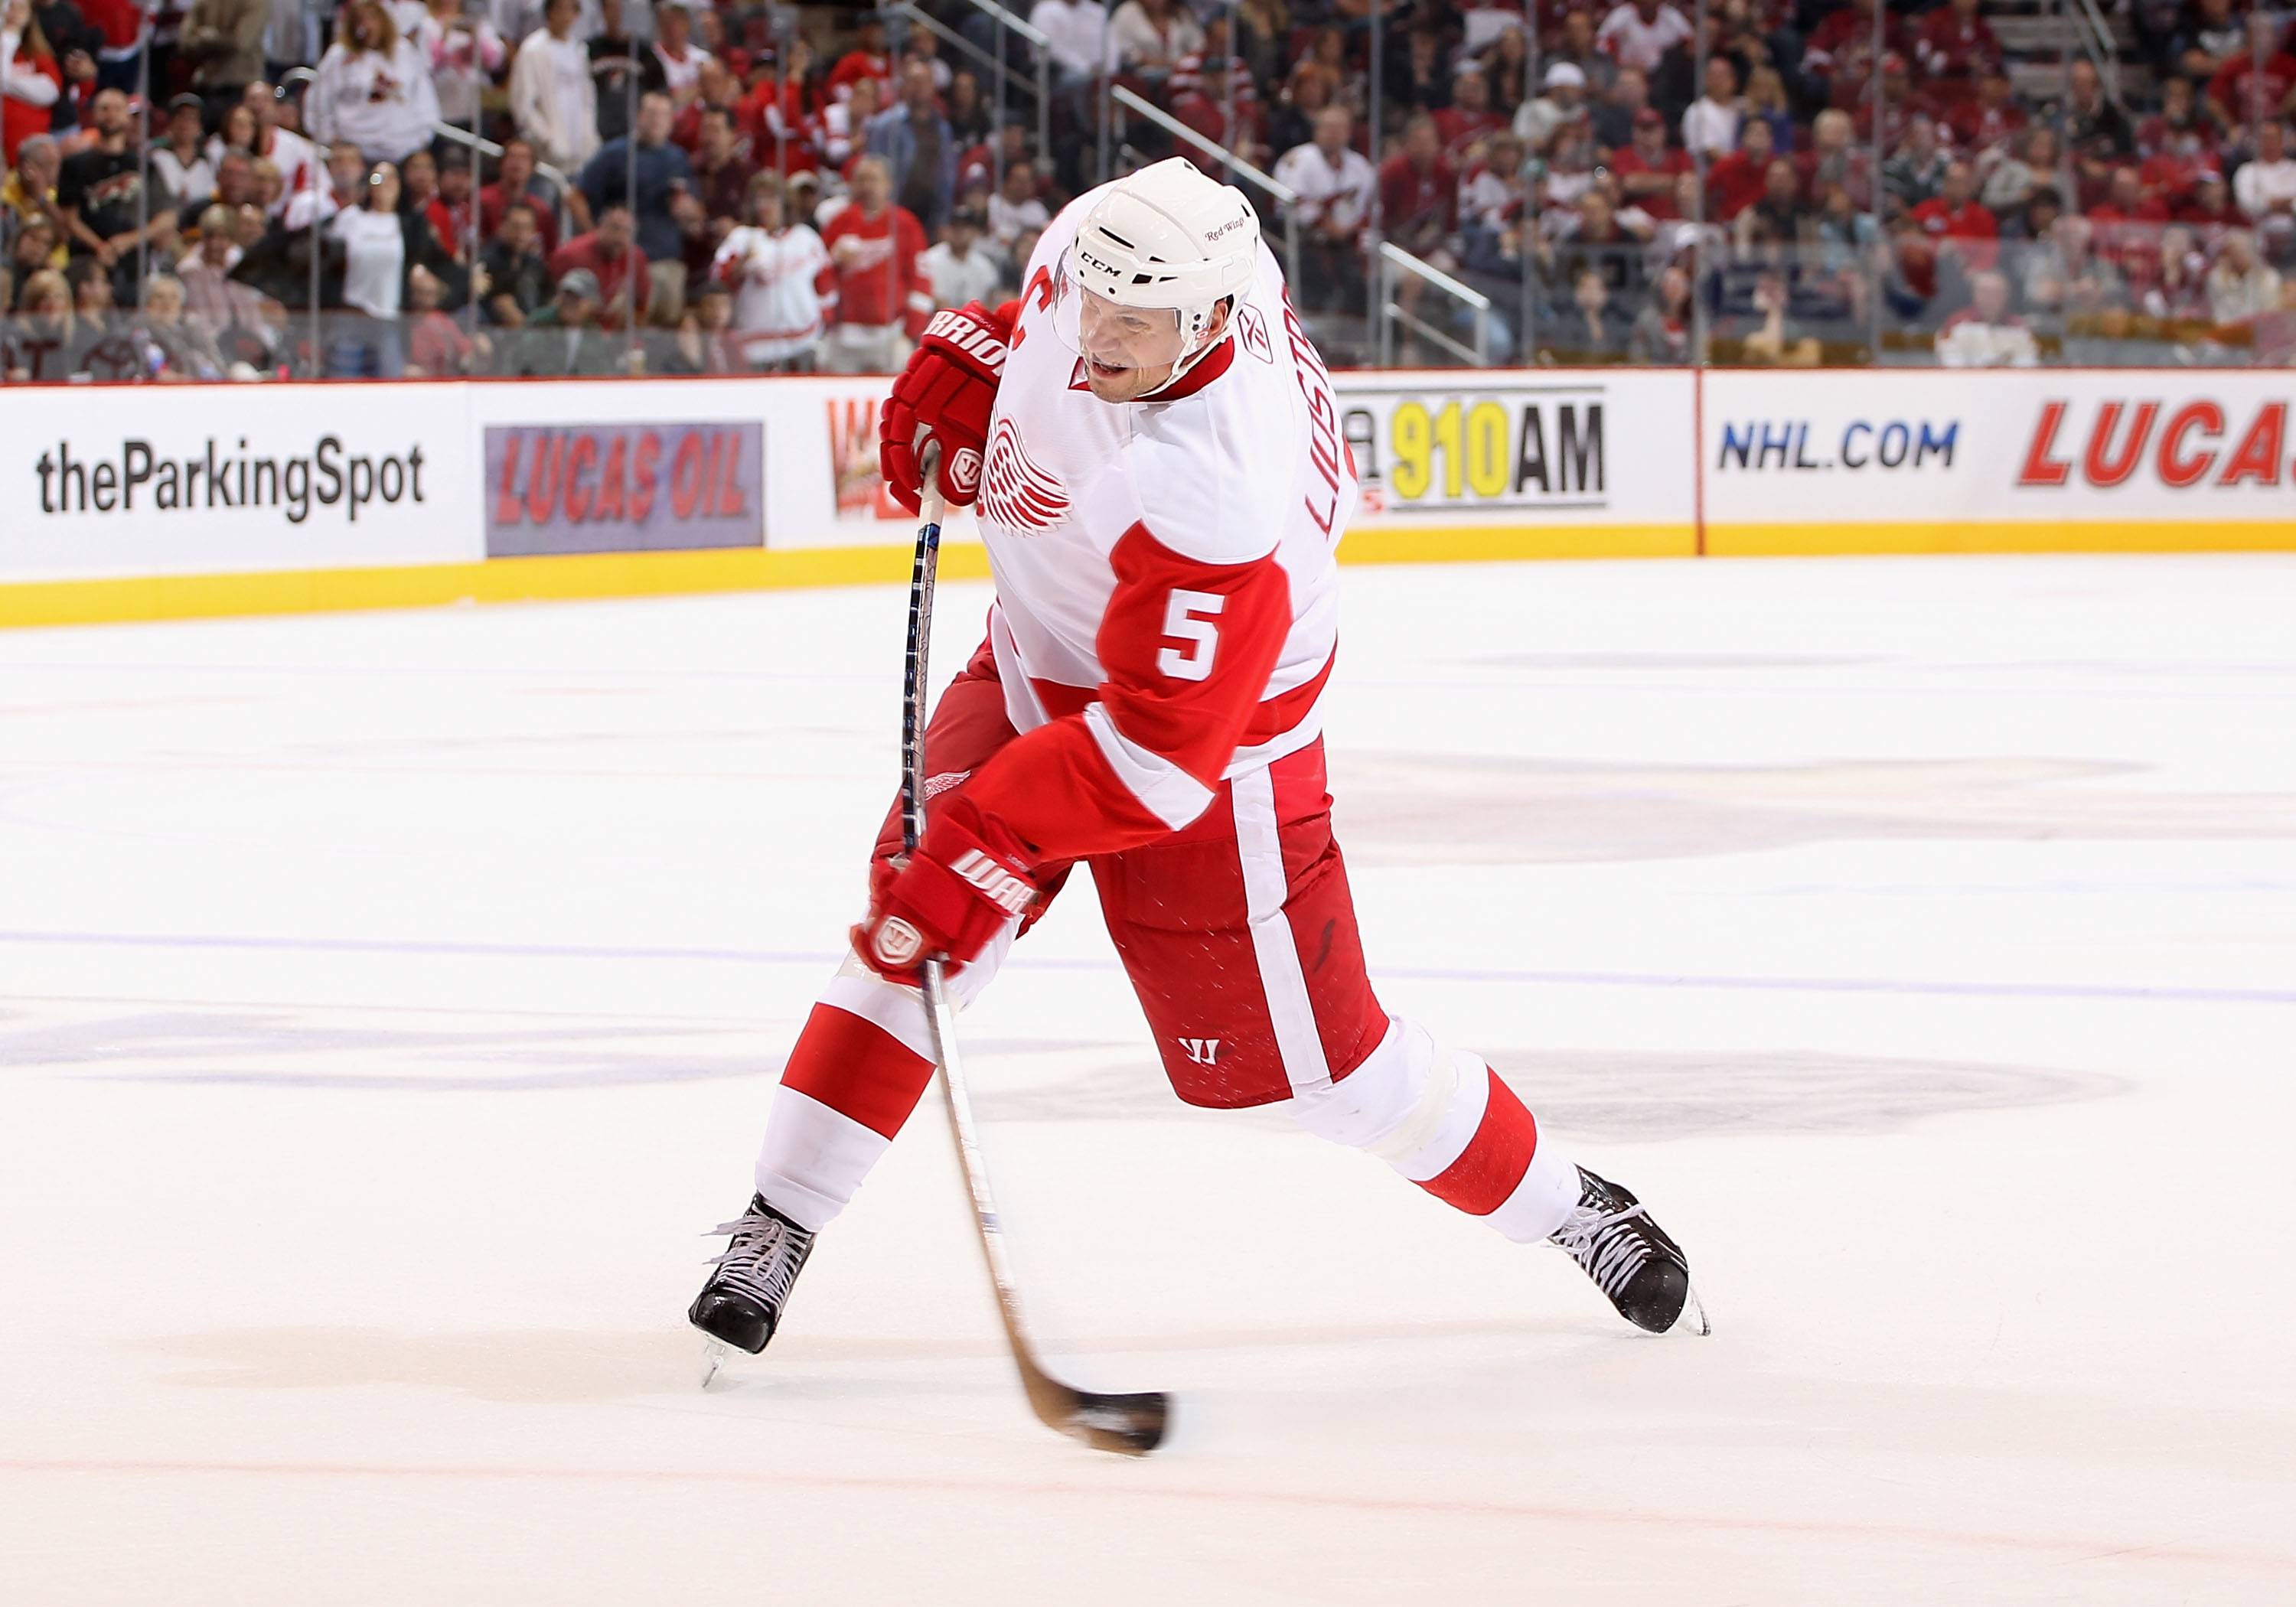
(137, 502)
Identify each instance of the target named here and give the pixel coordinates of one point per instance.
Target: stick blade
(1130, 1425)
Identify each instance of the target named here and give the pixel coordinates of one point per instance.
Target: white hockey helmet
(1168, 236)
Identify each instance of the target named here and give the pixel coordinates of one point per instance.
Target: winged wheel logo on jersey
(1014, 492)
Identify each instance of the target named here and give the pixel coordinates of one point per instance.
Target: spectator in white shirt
(1712, 122)
(1564, 101)
(1984, 334)
(1151, 36)
(1335, 185)
(363, 342)
(1076, 34)
(1015, 208)
(374, 88)
(681, 59)
(2241, 286)
(181, 170)
(774, 268)
(2266, 184)
(1639, 33)
(961, 268)
(551, 98)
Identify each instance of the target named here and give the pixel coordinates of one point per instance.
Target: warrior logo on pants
(1203, 1051)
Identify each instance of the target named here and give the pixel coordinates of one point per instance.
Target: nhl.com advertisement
(2031, 447)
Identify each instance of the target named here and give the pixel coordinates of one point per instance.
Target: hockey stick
(1132, 1426)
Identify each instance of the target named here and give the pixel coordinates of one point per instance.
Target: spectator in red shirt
(1419, 194)
(2179, 124)
(877, 298)
(2210, 214)
(1956, 49)
(610, 253)
(1735, 182)
(866, 60)
(1835, 160)
(2246, 91)
(1955, 224)
(2127, 203)
(1200, 99)
(1901, 102)
(1648, 166)
(717, 90)
(2128, 224)
(1990, 122)
(775, 115)
(519, 182)
(1838, 61)
(450, 210)
(1469, 119)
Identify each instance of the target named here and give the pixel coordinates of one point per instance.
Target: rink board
(137, 503)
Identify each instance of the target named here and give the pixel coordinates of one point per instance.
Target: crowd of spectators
(534, 188)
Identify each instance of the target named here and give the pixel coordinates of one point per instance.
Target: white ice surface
(387, 1003)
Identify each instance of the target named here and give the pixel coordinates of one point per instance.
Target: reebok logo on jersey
(1203, 1051)
(998, 885)
(1013, 491)
(981, 345)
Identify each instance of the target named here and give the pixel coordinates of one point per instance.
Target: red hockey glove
(968, 877)
(945, 395)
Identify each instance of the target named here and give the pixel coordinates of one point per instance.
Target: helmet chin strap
(1204, 348)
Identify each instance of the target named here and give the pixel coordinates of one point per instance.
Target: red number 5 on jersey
(1187, 618)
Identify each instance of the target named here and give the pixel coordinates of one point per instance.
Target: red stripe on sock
(857, 1069)
(1492, 1166)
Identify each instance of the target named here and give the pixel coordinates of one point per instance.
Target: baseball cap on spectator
(187, 99)
(1565, 73)
(579, 282)
(1650, 117)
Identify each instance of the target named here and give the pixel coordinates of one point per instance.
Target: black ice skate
(1630, 1257)
(742, 1305)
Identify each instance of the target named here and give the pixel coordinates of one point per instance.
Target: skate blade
(1692, 1319)
(717, 1356)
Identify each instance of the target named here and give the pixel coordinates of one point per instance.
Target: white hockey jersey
(1167, 603)
(775, 281)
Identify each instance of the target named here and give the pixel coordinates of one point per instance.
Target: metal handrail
(2103, 55)
(1393, 257)
(487, 147)
(1284, 194)
(1286, 198)
(997, 13)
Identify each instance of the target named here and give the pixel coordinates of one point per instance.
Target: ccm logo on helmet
(998, 885)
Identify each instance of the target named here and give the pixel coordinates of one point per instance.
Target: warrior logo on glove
(967, 880)
(945, 395)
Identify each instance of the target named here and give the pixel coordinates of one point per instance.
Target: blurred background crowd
(257, 188)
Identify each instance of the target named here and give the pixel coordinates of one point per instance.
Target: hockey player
(1154, 454)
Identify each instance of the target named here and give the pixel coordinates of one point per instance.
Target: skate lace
(1600, 1241)
(763, 1259)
